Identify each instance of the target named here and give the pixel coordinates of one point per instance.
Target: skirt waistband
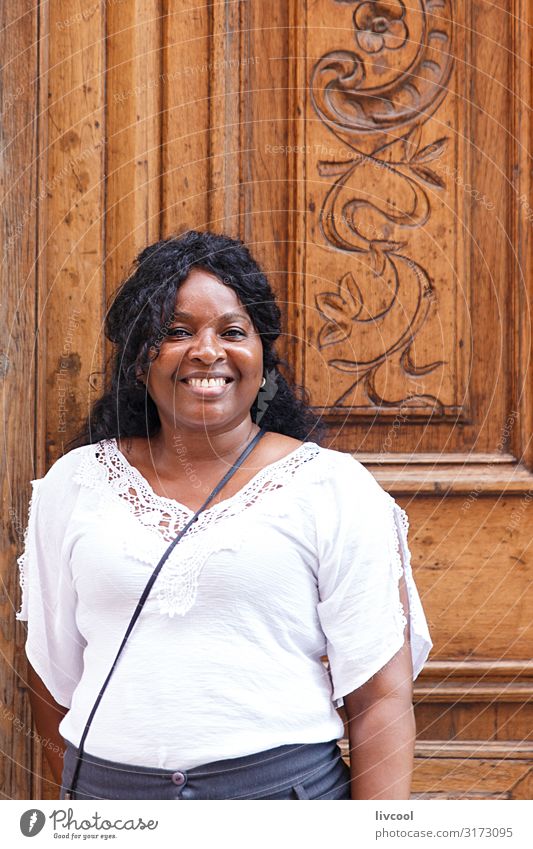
(269, 774)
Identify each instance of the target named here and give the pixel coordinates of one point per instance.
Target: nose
(206, 347)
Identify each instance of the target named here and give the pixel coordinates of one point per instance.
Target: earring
(263, 382)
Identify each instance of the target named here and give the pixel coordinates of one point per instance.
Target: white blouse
(225, 658)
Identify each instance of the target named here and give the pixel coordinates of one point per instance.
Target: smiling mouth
(205, 383)
(213, 388)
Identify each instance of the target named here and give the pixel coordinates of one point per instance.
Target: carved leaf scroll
(380, 309)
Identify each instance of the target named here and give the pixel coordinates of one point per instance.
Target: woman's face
(210, 336)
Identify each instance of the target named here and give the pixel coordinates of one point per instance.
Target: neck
(173, 447)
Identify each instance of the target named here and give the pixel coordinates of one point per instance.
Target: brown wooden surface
(252, 119)
(187, 51)
(71, 254)
(18, 48)
(133, 132)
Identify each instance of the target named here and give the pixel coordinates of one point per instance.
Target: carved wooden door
(376, 158)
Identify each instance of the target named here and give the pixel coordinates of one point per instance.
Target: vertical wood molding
(185, 117)
(133, 130)
(225, 118)
(297, 165)
(521, 231)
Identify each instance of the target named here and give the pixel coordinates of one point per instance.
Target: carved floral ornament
(381, 193)
(380, 26)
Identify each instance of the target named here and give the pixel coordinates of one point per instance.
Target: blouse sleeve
(363, 552)
(54, 646)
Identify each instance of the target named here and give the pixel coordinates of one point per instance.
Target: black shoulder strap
(146, 591)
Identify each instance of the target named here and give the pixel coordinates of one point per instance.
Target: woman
(220, 691)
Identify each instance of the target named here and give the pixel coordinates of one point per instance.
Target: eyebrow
(228, 316)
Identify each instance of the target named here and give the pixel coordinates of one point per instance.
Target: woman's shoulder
(341, 471)
(54, 495)
(64, 470)
(347, 476)
(275, 446)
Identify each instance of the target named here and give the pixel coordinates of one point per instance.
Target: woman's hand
(382, 729)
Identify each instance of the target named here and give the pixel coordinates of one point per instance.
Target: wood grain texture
(458, 720)
(379, 222)
(472, 562)
(363, 219)
(521, 185)
(133, 117)
(226, 123)
(18, 241)
(266, 123)
(396, 231)
(185, 138)
(470, 771)
(250, 192)
(72, 249)
(71, 280)
(473, 770)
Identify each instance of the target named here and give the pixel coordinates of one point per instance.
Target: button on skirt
(304, 771)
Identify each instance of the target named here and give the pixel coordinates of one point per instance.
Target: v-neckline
(133, 470)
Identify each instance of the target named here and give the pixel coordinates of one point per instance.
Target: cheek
(247, 360)
(168, 361)
(250, 362)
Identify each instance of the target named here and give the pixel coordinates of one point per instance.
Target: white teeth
(214, 381)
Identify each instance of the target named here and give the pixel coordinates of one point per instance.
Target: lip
(201, 375)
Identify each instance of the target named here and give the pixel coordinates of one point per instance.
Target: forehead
(202, 294)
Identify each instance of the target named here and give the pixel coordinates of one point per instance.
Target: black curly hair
(142, 308)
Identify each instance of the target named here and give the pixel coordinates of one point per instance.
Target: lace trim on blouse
(107, 470)
(22, 559)
(402, 559)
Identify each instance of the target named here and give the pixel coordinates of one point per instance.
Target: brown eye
(174, 331)
(236, 330)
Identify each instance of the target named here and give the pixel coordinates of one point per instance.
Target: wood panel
(521, 61)
(473, 565)
(404, 166)
(479, 771)
(185, 104)
(72, 132)
(383, 252)
(18, 242)
(249, 118)
(133, 116)
(470, 771)
(71, 252)
(267, 205)
(226, 114)
(474, 700)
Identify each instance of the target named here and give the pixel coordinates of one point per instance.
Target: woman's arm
(382, 728)
(47, 714)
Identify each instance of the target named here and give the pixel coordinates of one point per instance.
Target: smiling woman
(215, 684)
(196, 306)
(212, 358)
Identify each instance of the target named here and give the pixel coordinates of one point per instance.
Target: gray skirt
(304, 771)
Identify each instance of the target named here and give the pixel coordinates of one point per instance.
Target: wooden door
(376, 157)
